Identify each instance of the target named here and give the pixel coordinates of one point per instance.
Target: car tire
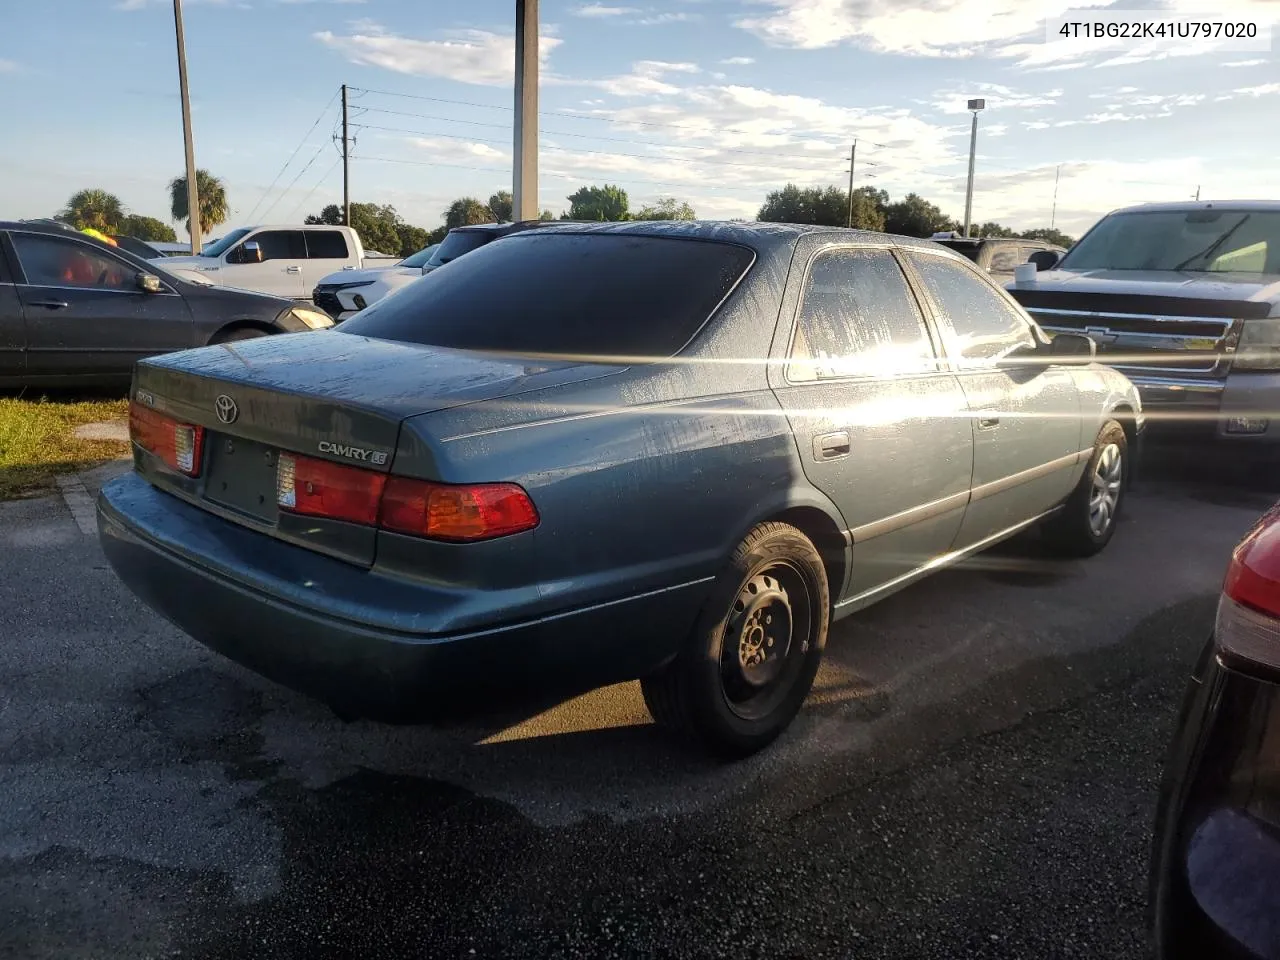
(1087, 520)
(746, 669)
(240, 333)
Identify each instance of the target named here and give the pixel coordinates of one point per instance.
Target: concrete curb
(78, 501)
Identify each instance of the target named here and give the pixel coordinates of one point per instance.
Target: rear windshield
(970, 250)
(456, 244)
(573, 295)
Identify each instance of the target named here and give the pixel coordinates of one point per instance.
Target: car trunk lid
(328, 396)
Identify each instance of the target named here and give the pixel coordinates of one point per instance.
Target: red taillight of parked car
(318, 488)
(178, 445)
(458, 512)
(1248, 626)
(438, 511)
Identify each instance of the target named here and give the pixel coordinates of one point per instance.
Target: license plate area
(242, 477)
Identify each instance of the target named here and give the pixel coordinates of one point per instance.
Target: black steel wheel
(751, 660)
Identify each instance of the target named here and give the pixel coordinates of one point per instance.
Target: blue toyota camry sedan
(596, 453)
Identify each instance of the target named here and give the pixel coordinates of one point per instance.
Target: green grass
(37, 441)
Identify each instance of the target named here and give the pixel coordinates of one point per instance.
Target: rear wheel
(746, 670)
(1088, 519)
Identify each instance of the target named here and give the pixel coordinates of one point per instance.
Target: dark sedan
(1216, 863)
(590, 454)
(77, 312)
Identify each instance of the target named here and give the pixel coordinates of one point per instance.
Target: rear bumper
(281, 611)
(1215, 408)
(1216, 856)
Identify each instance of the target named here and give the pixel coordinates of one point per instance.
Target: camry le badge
(226, 409)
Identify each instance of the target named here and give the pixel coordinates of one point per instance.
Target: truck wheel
(750, 662)
(1088, 518)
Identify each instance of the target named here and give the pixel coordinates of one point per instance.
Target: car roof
(754, 234)
(1184, 206)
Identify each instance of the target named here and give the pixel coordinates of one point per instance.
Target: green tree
(412, 239)
(827, 207)
(1049, 235)
(913, 216)
(667, 208)
(502, 206)
(547, 215)
(94, 208)
(599, 203)
(214, 208)
(380, 227)
(465, 212)
(146, 228)
(991, 229)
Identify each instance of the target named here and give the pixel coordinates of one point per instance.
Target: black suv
(996, 255)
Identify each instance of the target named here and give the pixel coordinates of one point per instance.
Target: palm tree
(94, 208)
(213, 201)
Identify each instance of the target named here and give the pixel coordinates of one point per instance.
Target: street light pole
(975, 106)
(193, 192)
(853, 155)
(524, 193)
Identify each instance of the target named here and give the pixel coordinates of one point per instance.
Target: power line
(322, 179)
(606, 153)
(594, 136)
(314, 157)
(304, 139)
(571, 116)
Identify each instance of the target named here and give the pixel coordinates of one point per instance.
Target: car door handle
(987, 421)
(49, 304)
(292, 269)
(831, 446)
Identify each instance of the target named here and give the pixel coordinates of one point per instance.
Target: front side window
(858, 319)
(326, 245)
(978, 324)
(51, 261)
(276, 245)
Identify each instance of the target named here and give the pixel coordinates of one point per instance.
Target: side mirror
(1044, 259)
(1073, 346)
(148, 283)
(250, 252)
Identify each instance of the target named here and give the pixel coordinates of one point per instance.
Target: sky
(712, 102)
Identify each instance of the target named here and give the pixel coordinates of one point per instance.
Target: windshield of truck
(219, 247)
(456, 244)
(577, 296)
(1194, 241)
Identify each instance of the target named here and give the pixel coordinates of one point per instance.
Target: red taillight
(460, 512)
(178, 444)
(438, 511)
(318, 488)
(1249, 615)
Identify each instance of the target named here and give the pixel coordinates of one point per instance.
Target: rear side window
(978, 324)
(326, 244)
(582, 296)
(858, 318)
(1006, 256)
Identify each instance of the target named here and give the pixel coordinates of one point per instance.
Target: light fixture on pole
(975, 106)
(193, 193)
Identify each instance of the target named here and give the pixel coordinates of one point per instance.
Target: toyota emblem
(226, 409)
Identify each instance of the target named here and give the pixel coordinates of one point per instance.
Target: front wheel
(1087, 520)
(746, 670)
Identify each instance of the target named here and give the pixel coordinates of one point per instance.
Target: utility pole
(524, 193)
(193, 192)
(975, 106)
(1053, 217)
(346, 163)
(853, 155)
(1197, 192)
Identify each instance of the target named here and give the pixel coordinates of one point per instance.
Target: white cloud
(647, 78)
(738, 61)
(468, 56)
(1259, 91)
(8, 66)
(1244, 63)
(602, 10)
(955, 99)
(657, 19)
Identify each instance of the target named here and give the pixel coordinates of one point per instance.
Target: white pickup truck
(286, 261)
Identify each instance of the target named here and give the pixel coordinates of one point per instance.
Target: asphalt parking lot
(975, 776)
